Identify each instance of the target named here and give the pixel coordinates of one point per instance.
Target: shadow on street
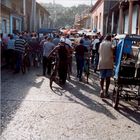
(14, 89)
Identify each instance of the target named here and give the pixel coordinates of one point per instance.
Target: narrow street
(32, 111)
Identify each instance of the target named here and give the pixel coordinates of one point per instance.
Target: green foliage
(63, 16)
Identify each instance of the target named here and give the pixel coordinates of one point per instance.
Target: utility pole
(54, 21)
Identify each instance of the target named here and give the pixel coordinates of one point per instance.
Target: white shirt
(94, 43)
(68, 42)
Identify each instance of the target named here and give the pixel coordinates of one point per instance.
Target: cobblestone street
(32, 111)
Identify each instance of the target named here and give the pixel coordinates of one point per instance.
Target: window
(4, 25)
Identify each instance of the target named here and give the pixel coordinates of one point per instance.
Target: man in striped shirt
(20, 45)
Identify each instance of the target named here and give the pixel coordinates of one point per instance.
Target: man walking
(79, 59)
(20, 46)
(47, 48)
(105, 64)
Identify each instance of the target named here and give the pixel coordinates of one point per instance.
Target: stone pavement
(30, 110)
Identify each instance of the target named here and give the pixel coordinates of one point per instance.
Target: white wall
(99, 9)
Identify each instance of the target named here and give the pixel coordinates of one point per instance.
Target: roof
(95, 5)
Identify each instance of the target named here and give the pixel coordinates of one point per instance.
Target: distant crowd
(33, 50)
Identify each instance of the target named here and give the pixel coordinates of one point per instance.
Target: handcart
(127, 70)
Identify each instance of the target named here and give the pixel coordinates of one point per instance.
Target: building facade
(121, 17)
(20, 15)
(129, 17)
(100, 16)
(97, 14)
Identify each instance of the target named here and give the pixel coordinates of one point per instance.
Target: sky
(68, 3)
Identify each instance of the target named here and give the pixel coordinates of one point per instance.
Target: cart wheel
(115, 98)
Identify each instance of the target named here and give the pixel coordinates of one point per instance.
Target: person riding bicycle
(62, 53)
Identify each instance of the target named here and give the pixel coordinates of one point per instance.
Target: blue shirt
(47, 48)
(87, 43)
(11, 44)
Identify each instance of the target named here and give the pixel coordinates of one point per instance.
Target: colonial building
(121, 16)
(100, 16)
(129, 17)
(19, 15)
(11, 16)
(42, 17)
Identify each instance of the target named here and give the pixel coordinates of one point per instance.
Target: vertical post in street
(54, 14)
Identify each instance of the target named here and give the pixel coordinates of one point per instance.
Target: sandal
(102, 94)
(106, 95)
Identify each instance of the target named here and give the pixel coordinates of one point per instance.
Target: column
(24, 13)
(33, 16)
(11, 24)
(121, 19)
(112, 23)
(130, 16)
(139, 22)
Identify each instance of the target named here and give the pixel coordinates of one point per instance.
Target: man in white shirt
(95, 41)
(105, 64)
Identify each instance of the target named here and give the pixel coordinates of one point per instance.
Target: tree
(63, 16)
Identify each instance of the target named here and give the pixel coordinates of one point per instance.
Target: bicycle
(25, 63)
(86, 68)
(54, 73)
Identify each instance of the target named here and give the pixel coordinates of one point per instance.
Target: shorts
(105, 73)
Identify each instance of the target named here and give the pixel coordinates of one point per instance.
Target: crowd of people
(40, 50)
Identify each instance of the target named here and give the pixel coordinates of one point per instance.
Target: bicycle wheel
(54, 73)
